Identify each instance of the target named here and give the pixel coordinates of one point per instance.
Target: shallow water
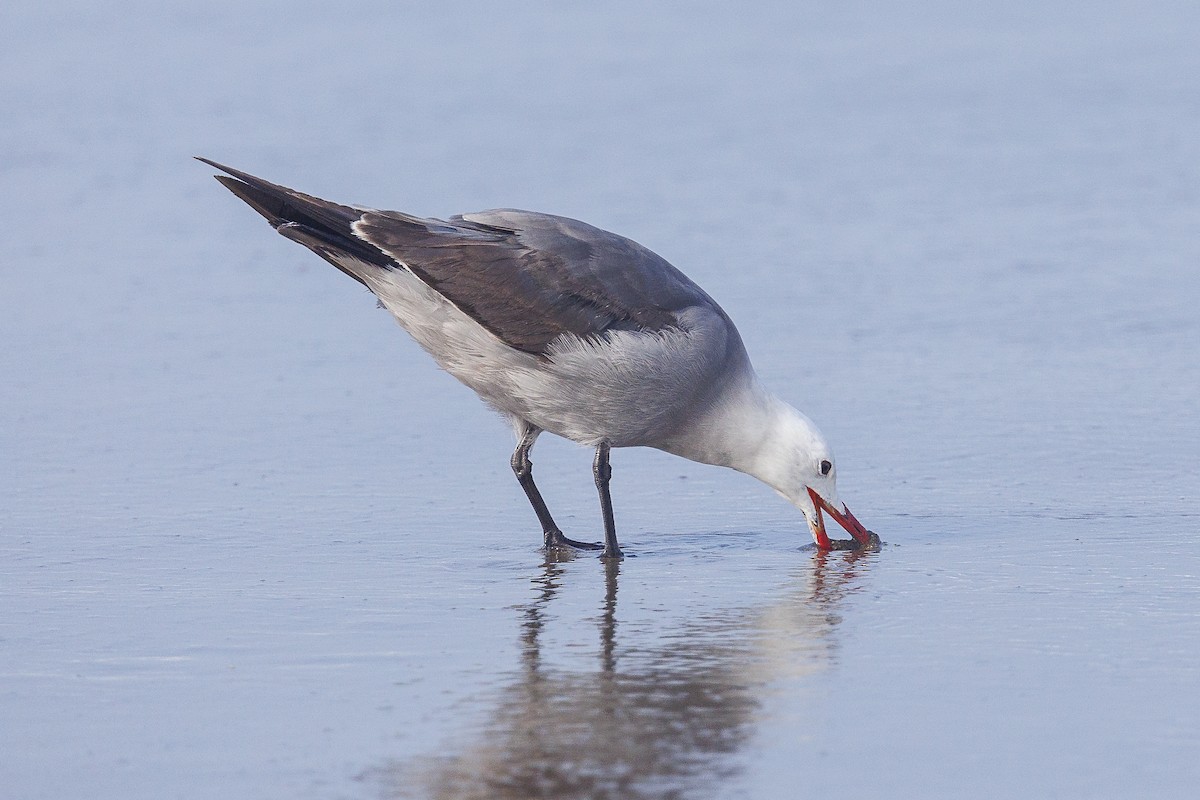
(253, 543)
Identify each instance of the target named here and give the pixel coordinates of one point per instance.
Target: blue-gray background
(254, 544)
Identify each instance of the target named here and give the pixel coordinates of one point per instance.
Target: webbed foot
(555, 538)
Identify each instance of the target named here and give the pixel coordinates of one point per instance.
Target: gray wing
(529, 277)
(526, 277)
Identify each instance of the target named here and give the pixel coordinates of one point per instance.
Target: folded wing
(529, 278)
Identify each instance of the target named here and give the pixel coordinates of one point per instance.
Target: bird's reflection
(663, 720)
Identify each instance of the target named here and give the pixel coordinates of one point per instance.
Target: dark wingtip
(237, 173)
(212, 164)
(271, 207)
(319, 225)
(266, 198)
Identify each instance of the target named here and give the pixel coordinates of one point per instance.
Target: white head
(797, 462)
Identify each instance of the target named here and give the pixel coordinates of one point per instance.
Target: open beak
(843, 518)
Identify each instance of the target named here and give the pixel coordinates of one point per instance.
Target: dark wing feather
(526, 277)
(322, 226)
(529, 277)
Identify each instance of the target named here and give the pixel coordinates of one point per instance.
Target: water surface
(254, 544)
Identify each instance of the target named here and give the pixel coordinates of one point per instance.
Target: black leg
(603, 472)
(523, 468)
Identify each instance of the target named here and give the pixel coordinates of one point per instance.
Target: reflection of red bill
(843, 518)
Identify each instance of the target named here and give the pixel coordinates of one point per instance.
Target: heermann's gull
(567, 328)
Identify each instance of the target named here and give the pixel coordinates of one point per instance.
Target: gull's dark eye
(825, 467)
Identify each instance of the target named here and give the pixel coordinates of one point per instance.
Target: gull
(563, 327)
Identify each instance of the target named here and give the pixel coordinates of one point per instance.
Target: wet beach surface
(254, 544)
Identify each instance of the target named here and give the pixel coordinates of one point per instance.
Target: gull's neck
(748, 428)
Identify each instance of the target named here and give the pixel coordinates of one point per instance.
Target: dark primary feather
(526, 277)
(317, 224)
